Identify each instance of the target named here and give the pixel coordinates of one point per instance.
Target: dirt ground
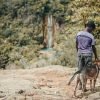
(46, 83)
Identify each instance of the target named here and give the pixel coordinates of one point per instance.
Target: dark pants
(84, 60)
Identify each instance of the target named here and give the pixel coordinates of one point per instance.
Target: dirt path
(47, 83)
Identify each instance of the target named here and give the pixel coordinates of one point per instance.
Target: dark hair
(90, 24)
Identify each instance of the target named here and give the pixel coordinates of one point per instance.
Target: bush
(4, 54)
(24, 41)
(8, 32)
(4, 59)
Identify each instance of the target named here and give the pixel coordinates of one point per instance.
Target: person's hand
(96, 59)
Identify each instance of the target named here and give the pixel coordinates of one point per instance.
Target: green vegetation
(21, 27)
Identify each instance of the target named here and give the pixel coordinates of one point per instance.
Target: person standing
(85, 45)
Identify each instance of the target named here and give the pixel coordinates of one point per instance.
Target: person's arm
(76, 45)
(94, 51)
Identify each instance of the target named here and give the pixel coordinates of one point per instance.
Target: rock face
(46, 83)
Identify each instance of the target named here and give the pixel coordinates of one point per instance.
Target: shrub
(4, 54)
(8, 32)
(4, 59)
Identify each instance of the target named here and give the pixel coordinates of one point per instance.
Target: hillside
(21, 35)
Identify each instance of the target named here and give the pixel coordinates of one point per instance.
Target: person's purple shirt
(85, 41)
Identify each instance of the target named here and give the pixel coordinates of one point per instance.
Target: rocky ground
(46, 83)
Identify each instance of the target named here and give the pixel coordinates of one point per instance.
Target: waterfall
(49, 31)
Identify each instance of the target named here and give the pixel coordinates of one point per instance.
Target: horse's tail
(72, 78)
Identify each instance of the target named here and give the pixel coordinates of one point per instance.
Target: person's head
(90, 26)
